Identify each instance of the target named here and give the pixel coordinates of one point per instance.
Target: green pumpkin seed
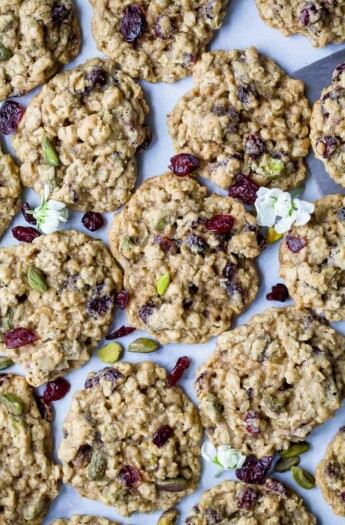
(285, 464)
(49, 153)
(172, 484)
(163, 284)
(110, 353)
(5, 54)
(98, 465)
(295, 450)
(143, 346)
(169, 517)
(273, 404)
(5, 362)
(13, 404)
(303, 478)
(36, 279)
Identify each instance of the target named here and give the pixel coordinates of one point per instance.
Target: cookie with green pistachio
(29, 480)
(83, 520)
(57, 298)
(271, 381)
(130, 441)
(80, 135)
(10, 189)
(36, 38)
(188, 259)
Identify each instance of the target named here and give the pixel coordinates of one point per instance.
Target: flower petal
(228, 457)
(209, 452)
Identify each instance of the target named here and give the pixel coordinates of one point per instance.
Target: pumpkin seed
(273, 404)
(49, 153)
(143, 346)
(303, 478)
(5, 362)
(36, 279)
(285, 464)
(163, 284)
(98, 465)
(5, 54)
(295, 450)
(110, 353)
(13, 404)
(172, 484)
(169, 517)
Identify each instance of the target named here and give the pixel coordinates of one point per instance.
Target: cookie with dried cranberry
(234, 502)
(80, 135)
(322, 21)
(29, 480)
(327, 130)
(188, 259)
(131, 441)
(10, 189)
(312, 260)
(57, 299)
(37, 38)
(156, 40)
(83, 520)
(245, 116)
(271, 381)
(330, 473)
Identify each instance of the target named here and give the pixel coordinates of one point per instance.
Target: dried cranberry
(121, 332)
(91, 382)
(18, 337)
(60, 12)
(100, 305)
(165, 244)
(130, 477)
(147, 140)
(330, 144)
(183, 164)
(178, 370)
(341, 214)
(111, 374)
(28, 216)
(243, 94)
(246, 497)
(146, 311)
(254, 470)
(92, 221)
(196, 244)
(229, 270)
(56, 390)
(295, 244)
(285, 386)
(275, 486)
(122, 299)
(342, 496)
(252, 421)
(309, 14)
(133, 23)
(44, 408)
(338, 71)
(11, 114)
(254, 147)
(162, 435)
(279, 293)
(97, 77)
(25, 233)
(220, 223)
(244, 189)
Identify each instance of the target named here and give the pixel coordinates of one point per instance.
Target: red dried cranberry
(97, 77)
(146, 311)
(130, 477)
(92, 221)
(147, 140)
(229, 270)
(254, 470)
(183, 164)
(309, 14)
(338, 71)
(342, 496)
(122, 299)
(295, 244)
(100, 305)
(56, 390)
(28, 216)
(91, 382)
(252, 421)
(25, 233)
(162, 435)
(11, 114)
(181, 365)
(246, 497)
(275, 486)
(133, 23)
(165, 244)
(60, 12)
(44, 408)
(196, 244)
(244, 189)
(330, 145)
(254, 147)
(220, 223)
(243, 94)
(18, 337)
(279, 293)
(121, 332)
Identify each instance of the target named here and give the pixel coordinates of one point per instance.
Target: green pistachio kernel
(49, 153)
(98, 465)
(162, 223)
(295, 450)
(172, 484)
(36, 279)
(143, 346)
(7, 322)
(163, 284)
(169, 517)
(5, 54)
(285, 464)
(274, 167)
(303, 478)
(127, 243)
(13, 404)
(110, 353)
(273, 403)
(5, 362)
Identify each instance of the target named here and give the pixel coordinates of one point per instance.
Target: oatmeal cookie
(234, 502)
(80, 135)
(327, 126)
(29, 481)
(271, 381)
(312, 260)
(36, 38)
(322, 21)
(330, 474)
(156, 40)
(130, 441)
(244, 116)
(205, 246)
(83, 520)
(57, 298)
(10, 189)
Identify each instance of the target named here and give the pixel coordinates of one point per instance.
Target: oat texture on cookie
(36, 38)
(80, 135)
(156, 40)
(10, 189)
(271, 381)
(29, 480)
(57, 299)
(83, 520)
(200, 247)
(245, 116)
(131, 441)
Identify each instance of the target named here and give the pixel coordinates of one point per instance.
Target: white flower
(50, 213)
(225, 457)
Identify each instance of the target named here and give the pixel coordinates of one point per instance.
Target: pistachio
(303, 478)
(110, 353)
(273, 404)
(143, 346)
(5, 362)
(273, 236)
(5, 54)
(285, 464)
(172, 484)
(127, 244)
(7, 322)
(98, 464)
(17, 425)
(36, 279)
(163, 284)
(295, 450)
(169, 517)
(13, 404)
(274, 167)
(212, 407)
(49, 153)
(162, 223)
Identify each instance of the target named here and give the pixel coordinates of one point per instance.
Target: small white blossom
(50, 213)
(225, 457)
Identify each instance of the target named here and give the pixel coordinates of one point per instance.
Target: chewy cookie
(131, 441)
(327, 126)
(36, 38)
(29, 481)
(244, 116)
(57, 298)
(271, 381)
(83, 520)
(10, 189)
(235, 502)
(322, 21)
(330, 474)
(204, 245)
(93, 118)
(312, 260)
(156, 40)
